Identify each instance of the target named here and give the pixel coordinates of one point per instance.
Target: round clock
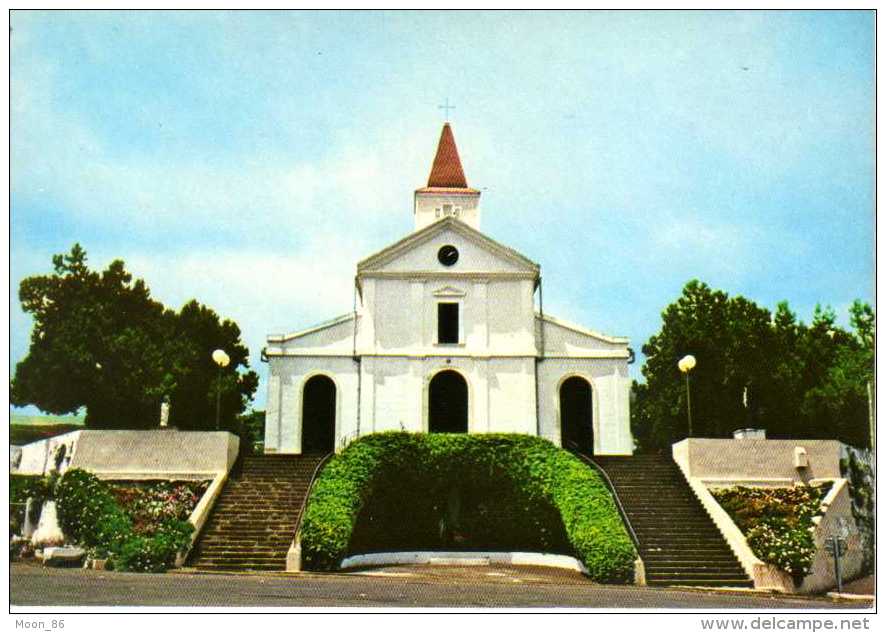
(447, 255)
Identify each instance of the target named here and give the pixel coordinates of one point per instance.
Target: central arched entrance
(576, 417)
(448, 403)
(318, 416)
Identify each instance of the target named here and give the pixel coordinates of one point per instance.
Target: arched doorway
(576, 414)
(318, 416)
(448, 403)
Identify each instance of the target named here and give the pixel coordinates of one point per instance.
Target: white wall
(426, 205)
(153, 454)
(287, 378)
(610, 389)
(500, 340)
(394, 395)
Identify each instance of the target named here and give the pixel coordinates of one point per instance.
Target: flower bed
(149, 504)
(777, 522)
(140, 527)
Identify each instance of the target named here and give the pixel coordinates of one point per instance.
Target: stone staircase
(678, 541)
(254, 519)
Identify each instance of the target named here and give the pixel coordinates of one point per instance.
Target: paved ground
(865, 586)
(397, 587)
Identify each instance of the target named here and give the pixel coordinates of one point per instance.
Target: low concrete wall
(763, 462)
(160, 454)
(38, 458)
(837, 507)
(157, 454)
(463, 558)
(201, 513)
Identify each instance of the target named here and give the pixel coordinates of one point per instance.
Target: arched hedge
(405, 479)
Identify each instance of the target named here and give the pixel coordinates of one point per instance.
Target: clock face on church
(447, 255)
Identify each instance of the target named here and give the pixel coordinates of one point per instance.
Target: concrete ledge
(293, 555)
(639, 572)
(851, 596)
(200, 514)
(560, 561)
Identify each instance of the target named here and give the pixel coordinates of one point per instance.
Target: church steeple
(447, 193)
(447, 171)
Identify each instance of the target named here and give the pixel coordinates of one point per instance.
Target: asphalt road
(396, 587)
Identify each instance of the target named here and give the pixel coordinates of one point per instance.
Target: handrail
(575, 450)
(304, 502)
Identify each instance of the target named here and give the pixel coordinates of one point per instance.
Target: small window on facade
(457, 211)
(447, 323)
(447, 209)
(437, 210)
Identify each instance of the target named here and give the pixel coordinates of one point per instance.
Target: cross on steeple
(446, 108)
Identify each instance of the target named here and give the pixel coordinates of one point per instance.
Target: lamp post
(221, 359)
(685, 365)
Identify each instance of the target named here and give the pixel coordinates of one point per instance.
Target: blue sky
(249, 160)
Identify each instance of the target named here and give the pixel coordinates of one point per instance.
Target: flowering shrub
(154, 553)
(149, 506)
(141, 528)
(87, 511)
(777, 522)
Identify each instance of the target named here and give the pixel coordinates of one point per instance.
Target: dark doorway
(318, 416)
(576, 417)
(448, 403)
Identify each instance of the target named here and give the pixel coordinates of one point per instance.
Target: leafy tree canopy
(100, 341)
(754, 369)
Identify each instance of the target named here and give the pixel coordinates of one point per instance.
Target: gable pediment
(477, 253)
(449, 291)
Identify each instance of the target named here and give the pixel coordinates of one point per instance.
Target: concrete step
(678, 541)
(254, 520)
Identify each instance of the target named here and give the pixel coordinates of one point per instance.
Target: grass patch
(20, 434)
(43, 420)
(447, 491)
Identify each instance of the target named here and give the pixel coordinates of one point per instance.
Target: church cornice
(419, 275)
(448, 191)
(585, 355)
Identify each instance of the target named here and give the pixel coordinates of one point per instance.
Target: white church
(447, 334)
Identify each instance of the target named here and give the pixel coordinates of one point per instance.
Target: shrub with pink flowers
(151, 504)
(140, 526)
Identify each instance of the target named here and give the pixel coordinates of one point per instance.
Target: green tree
(838, 401)
(729, 339)
(754, 369)
(101, 342)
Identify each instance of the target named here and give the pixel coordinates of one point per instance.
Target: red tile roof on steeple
(446, 171)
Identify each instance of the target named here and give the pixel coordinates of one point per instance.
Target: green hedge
(90, 515)
(449, 491)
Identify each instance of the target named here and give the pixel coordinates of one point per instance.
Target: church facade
(447, 334)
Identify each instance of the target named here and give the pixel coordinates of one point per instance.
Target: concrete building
(447, 334)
